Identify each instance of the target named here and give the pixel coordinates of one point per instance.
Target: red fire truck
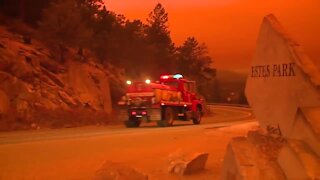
(171, 98)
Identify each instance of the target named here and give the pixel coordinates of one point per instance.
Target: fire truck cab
(169, 99)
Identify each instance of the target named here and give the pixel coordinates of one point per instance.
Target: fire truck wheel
(197, 116)
(133, 122)
(167, 117)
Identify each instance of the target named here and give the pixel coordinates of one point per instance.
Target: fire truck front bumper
(149, 114)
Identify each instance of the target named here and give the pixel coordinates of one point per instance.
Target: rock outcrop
(35, 88)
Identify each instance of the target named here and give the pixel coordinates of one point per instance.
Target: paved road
(222, 116)
(77, 153)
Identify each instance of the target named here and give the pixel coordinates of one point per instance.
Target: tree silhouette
(29, 11)
(63, 26)
(142, 49)
(193, 59)
(158, 37)
(157, 26)
(194, 62)
(89, 10)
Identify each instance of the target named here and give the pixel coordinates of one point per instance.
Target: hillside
(37, 91)
(230, 86)
(235, 76)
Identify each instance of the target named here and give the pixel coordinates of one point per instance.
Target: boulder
(197, 163)
(245, 160)
(187, 164)
(117, 171)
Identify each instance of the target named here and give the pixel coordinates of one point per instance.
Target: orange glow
(230, 27)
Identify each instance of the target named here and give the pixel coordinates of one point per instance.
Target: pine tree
(193, 59)
(157, 27)
(90, 9)
(28, 11)
(194, 62)
(158, 37)
(62, 25)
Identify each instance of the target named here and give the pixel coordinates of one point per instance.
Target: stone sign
(279, 82)
(283, 91)
(273, 70)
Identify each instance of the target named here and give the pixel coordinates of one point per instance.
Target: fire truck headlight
(148, 81)
(129, 82)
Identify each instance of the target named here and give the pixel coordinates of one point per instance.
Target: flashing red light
(133, 113)
(144, 113)
(176, 76)
(165, 77)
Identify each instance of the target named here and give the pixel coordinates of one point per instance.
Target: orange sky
(230, 27)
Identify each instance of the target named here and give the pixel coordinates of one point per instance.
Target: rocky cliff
(38, 91)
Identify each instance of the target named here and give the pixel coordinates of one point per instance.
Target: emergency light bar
(128, 82)
(148, 81)
(176, 76)
(164, 77)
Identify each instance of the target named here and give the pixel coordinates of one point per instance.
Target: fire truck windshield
(172, 84)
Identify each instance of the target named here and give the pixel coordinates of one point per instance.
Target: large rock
(187, 164)
(117, 171)
(245, 160)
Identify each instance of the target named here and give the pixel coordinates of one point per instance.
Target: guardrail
(225, 104)
(212, 107)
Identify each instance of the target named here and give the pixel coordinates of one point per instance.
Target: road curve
(220, 116)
